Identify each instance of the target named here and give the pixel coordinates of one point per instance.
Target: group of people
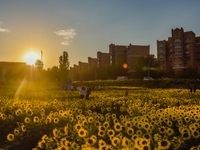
(84, 93)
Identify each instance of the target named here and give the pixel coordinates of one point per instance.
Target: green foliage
(64, 61)
(39, 65)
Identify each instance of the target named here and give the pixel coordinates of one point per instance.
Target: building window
(187, 40)
(187, 46)
(177, 52)
(187, 52)
(177, 40)
(177, 46)
(161, 45)
(161, 56)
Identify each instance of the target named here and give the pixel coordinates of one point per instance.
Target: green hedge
(169, 83)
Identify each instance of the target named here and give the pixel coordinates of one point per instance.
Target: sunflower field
(146, 119)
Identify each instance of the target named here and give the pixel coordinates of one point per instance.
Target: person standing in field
(126, 92)
(82, 92)
(87, 92)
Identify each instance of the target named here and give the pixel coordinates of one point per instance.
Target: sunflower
(66, 129)
(101, 143)
(139, 133)
(169, 131)
(102, 118)
(23, 128)
(41, 144)
(115, 141)
(169, 123)
(106, 124)
(117, 127)
(186, 135)
(18, 112)
(78, 126)
(130, 131)
(97, 123)
(176, 142)
(36, 119)
(127, 123)
(55, 132)
(111, 132)
(139, 125)
(144, 141)
(108, 115)
(113, 116)
(9, 117)
(101, 133)
(16, 132)
(90, 141)
(125, 142)
(195, 134)
(29, 112)
(71, 118)
(90, 119)
(157, 137)
(48, 120)
(164, 144)
(27, 120)
(56, 120)
(146, 147)
(101, 128)
(121, 117)
(44, 137)
(82, 133)
(109, 147)
(67, 144)
(162, 130)
(10, 137)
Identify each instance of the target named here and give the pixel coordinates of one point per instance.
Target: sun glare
(31, 57)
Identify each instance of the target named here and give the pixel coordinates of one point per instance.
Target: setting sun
(31, 57)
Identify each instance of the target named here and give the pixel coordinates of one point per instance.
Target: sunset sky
(83, 27)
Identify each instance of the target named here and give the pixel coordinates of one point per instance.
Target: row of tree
(146, 66)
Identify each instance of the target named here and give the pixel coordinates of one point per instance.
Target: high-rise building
(92, 62)
(103, 59)
(18, 69)
(180, 51)
(120, 54)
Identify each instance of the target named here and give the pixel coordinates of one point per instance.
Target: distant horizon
(82, 28)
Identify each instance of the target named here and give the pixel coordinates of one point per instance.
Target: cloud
(3, 30)
(68, 35)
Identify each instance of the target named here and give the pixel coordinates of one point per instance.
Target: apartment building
(92, 62)
(103, 59)
(18, 69)
(180, 51)
(120, 54)
(135, 52)
(82, 66)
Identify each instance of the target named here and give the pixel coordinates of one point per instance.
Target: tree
(146, 66)
(64, 67)
(39, 65)
(64, 61)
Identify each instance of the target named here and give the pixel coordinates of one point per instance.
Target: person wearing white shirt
(82, 92)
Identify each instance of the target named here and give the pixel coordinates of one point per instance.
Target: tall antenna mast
(41, 55)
